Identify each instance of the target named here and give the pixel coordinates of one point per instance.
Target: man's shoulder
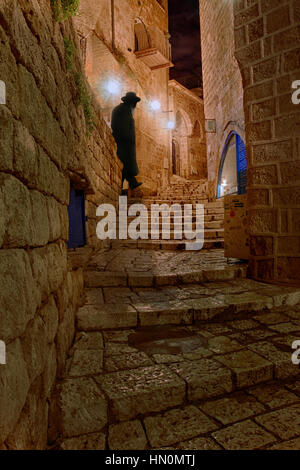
(121, 107)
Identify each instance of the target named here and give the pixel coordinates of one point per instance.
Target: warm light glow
(171, 125)
(224, 182)
(155, 105)
(113, 87)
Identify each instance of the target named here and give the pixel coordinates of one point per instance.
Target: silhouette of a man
(123, 130)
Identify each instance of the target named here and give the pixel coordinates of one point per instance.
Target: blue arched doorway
(232, 178)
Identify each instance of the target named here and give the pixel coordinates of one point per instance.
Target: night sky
(184, 27)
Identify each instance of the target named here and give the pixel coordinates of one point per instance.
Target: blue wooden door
(76, 209)
(241, 157)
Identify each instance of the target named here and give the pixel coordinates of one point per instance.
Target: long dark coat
(124, 134)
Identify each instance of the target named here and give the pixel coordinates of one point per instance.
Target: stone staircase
(178, 362)
(213, 224)
(184, 189)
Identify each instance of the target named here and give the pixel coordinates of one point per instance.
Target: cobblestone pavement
(187, 365)
(129, 260)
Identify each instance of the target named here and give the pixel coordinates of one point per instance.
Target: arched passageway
(232, 177)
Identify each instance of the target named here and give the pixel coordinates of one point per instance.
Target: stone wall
(43, 146)
(267, 35)
(222, 82)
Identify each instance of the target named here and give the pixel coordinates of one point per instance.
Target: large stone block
(49, 315)
(54, 218)
(25, 156)
(83, 407)
(18, 212)
(6, 138)
(14, 386)
(141, 391)
(19, 296)
(34, 345)
(30, 432)
(262, 221)
(9, 74)
(40, 219)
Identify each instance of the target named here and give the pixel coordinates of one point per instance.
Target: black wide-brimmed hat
(130, 98)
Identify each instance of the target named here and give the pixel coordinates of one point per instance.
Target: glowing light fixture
(171, 125)
(155, 105)
(113, 87)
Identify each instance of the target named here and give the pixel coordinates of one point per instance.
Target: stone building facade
(126, 45)
(222, 81)
(250, 53)
(188, 156)
(267, 37)
(44, 147)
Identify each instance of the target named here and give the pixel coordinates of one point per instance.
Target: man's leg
(133, 183)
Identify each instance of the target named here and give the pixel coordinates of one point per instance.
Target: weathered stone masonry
(43, 145)
(267, 35)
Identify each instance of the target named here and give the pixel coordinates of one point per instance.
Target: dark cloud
(184, 26)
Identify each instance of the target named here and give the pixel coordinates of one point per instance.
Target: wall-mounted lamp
(113, 87)
(155, 105)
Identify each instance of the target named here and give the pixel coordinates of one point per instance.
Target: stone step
(185, 306)
(97, 279)
(193, 370)
(167, 245)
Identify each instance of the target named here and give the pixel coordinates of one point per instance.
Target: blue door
(241, 156)
(76, 209)
(241, 164)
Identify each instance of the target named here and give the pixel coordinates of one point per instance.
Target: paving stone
(243, 325)
(272, 318)
(294, 444)
(120, 336)
(177, 425)
(289, 327)
(166, 313)
(273, 395)
(284, 423)
(199, 443)
(284, 368)
(127, 361)
(259, 334)
(223, 345)
(142, 391)
(248, 301)
(233, 409)
(115, 349)
(167, 358)
(127, 436)
(86, 362)
(109, 316)
(84, 341)
(117, 295)
(105, 279)
(216, 329)
(295, 387)
(248, 367)
(166, 279)
(208, 307)
(140, 279)
(83, 407)
(94, 296)
(243, 436)
(205, 378)
(95, 441)
(197, 354)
